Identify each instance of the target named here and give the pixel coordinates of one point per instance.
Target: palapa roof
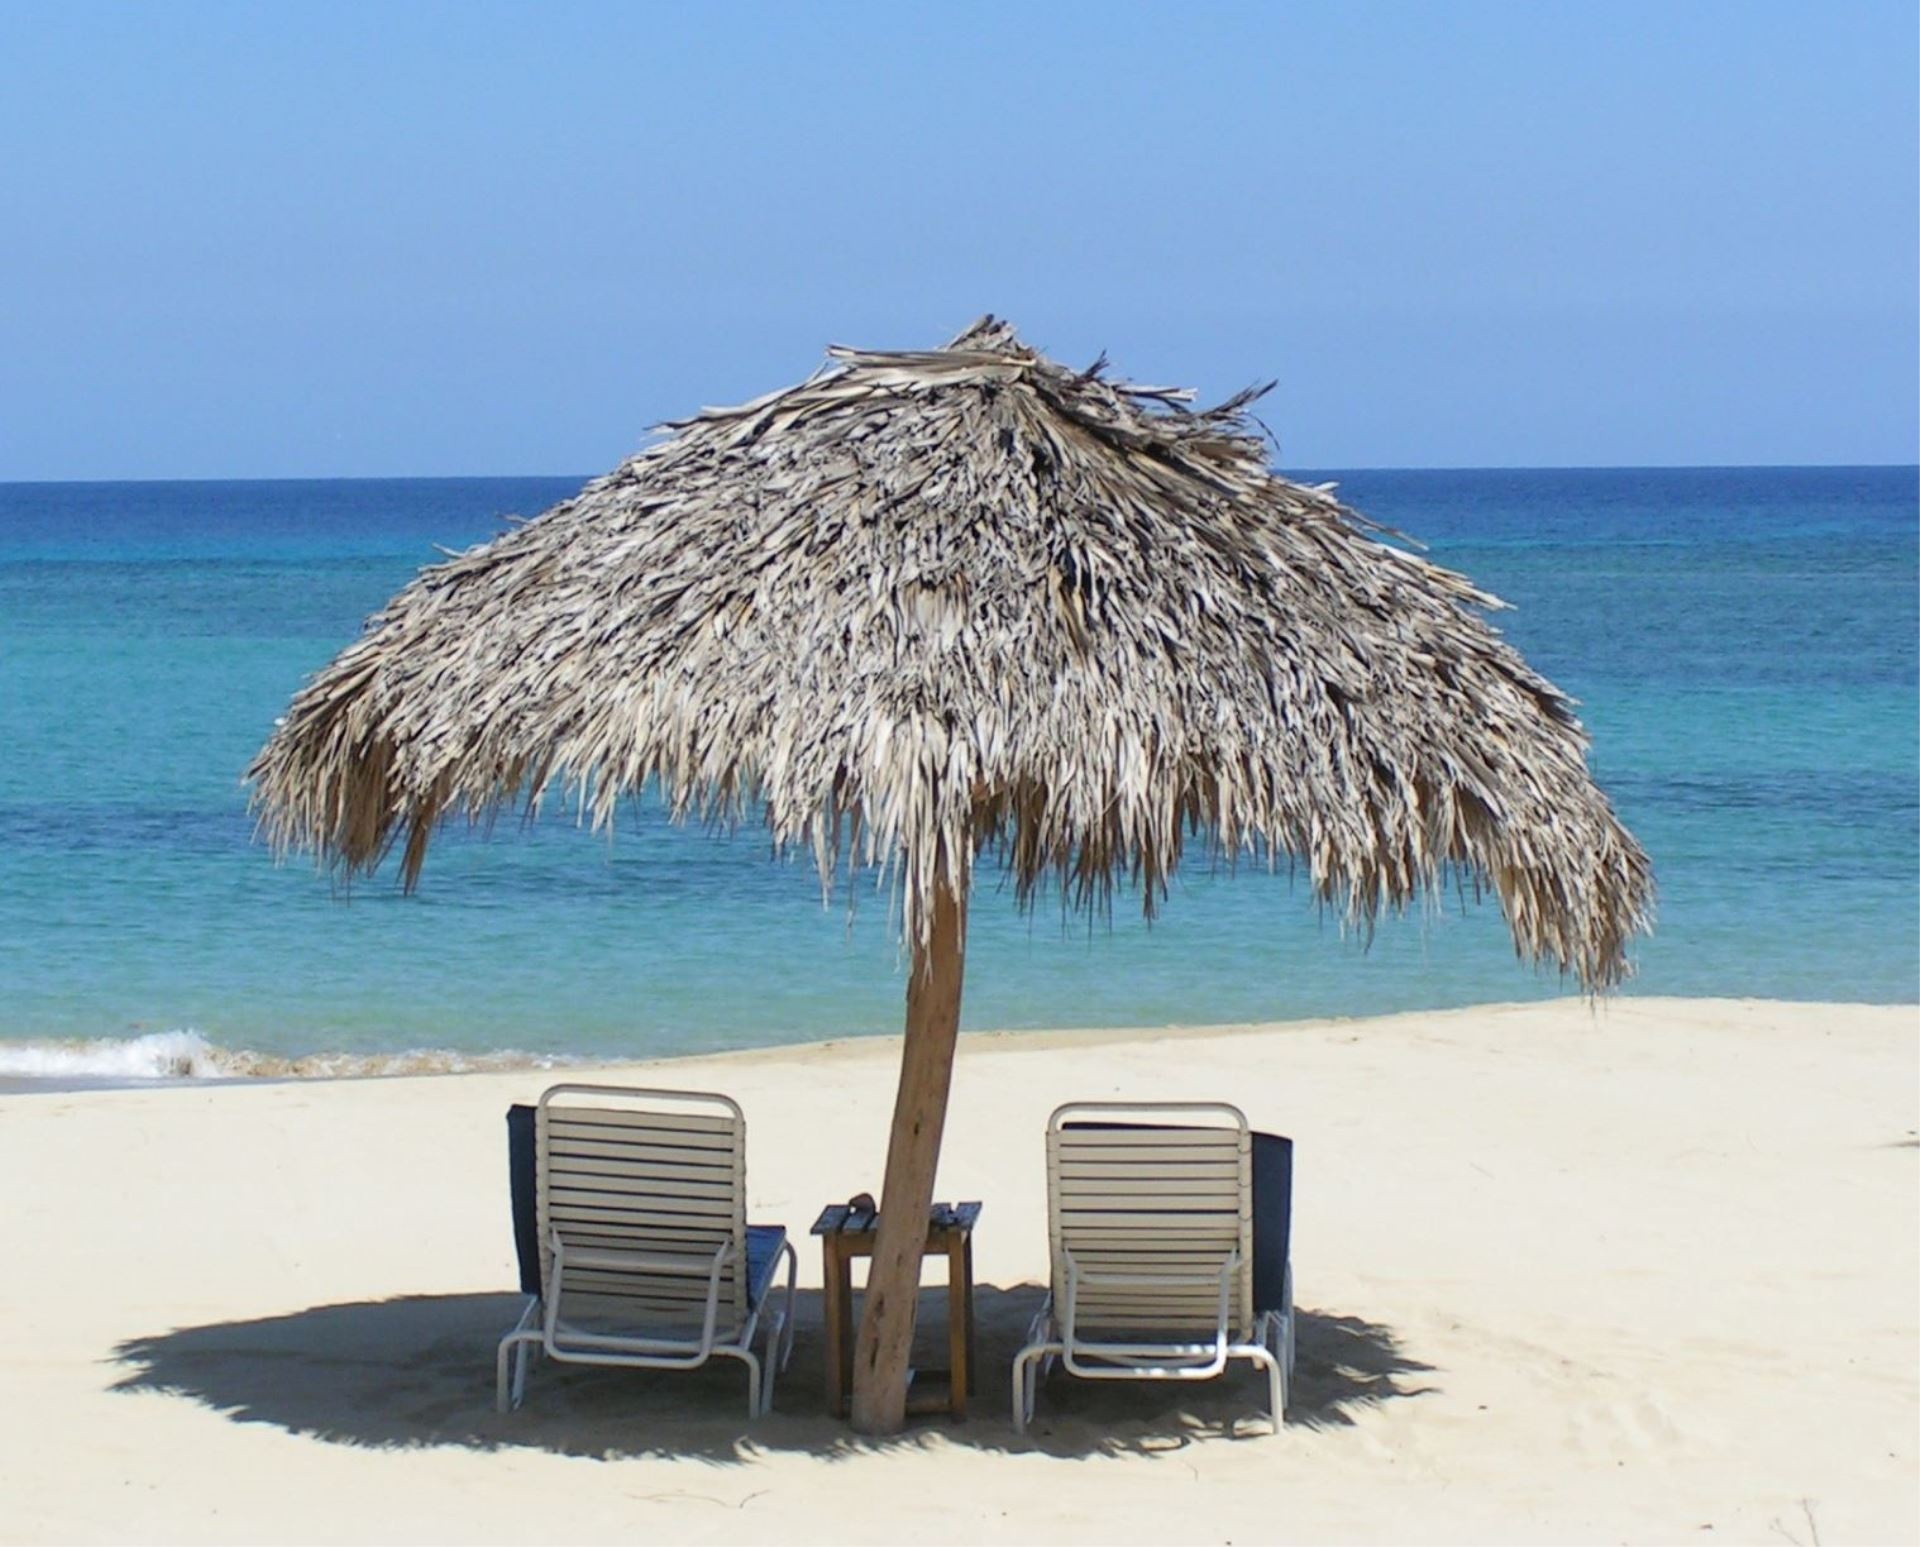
(929, 600)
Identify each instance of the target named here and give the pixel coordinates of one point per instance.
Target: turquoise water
(1744, 641)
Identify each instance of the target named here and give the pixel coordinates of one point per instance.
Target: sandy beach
(1649, 1274)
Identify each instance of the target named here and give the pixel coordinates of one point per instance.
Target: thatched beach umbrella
(928, 604)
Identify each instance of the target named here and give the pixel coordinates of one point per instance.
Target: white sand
(1646, 1276)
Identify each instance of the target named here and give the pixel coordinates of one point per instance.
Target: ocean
(1744, 642)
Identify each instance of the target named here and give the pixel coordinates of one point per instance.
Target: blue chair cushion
(763, 1256)
(520, 1175)
(1272, 1219)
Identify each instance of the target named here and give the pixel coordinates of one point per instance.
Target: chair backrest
(1142, 1189)
(634, 1170)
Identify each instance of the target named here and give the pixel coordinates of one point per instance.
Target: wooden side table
(846, 1233)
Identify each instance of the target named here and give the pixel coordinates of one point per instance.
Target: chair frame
(542, 1326)
(1264, 1338)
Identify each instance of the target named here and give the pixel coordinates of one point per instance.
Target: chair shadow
(419, 1370)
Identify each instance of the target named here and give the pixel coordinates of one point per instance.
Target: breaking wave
(186, 1055)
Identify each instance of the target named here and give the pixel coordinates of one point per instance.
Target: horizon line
(1381, 467)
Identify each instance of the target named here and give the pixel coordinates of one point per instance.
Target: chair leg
(520, 1341)
(1029, 1369)
(788, 1319)
(1279, 1341)
(511, 1385)
(771, 1358)
(754, 1404)
(1276, 1384)
(1286, 1320)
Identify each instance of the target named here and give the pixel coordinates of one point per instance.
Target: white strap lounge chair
(1151, 1217)
(646, 1256)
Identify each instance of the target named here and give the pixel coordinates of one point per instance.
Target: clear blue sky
(337, 239)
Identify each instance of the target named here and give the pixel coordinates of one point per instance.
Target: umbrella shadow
(418, 1371)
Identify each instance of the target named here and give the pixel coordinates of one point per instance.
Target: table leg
(835, 1295)
(959, 1307)
(846, 1330)
(967, 1261)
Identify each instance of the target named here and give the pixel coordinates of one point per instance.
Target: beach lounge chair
(645, 1256)
(1167, 1260)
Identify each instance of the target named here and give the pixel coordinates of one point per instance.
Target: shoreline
(256, 1069)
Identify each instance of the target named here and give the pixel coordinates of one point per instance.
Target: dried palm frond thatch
(929, 600)
(925, 602)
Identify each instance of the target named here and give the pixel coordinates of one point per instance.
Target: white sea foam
(158, 1055)
(187, 1055)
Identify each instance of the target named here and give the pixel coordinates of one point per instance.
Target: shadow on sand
(419, 1371)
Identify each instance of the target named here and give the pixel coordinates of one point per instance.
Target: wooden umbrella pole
(913, 1154)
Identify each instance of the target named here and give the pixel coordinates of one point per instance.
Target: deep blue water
(1743, 640)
